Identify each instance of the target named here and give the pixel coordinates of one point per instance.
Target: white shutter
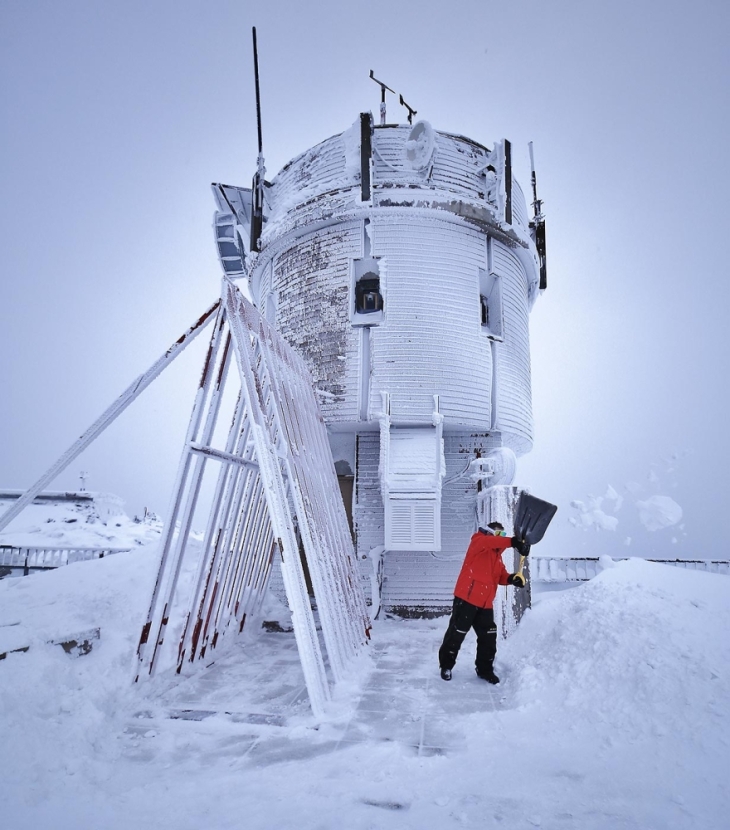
(412, 524)
(400, 531)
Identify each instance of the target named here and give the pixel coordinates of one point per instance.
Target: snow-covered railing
(581, 569)
(42, 558)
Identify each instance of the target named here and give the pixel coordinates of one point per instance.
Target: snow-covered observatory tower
(401, 263)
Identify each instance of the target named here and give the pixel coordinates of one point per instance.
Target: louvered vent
(412, 524)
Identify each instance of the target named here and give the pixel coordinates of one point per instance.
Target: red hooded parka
(483, 569)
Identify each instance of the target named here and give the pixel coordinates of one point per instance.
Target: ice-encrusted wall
(514, 398)
(311, 287)
(431, 340)
(419, 579)
(435, 230)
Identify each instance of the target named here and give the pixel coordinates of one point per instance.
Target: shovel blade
(532, 518)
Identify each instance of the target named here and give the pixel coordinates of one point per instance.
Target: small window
(368, 298)
(231, 251)
(490, 304)
(227, 248)
(368, 301)
(224, 230)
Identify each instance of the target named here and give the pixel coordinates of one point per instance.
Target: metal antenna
(257, 218)
(383, 87)
(537, 226)
(536, 203)
(411, 111)
(258, 92)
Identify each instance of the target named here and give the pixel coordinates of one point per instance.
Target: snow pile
(98, 522)
(613, 714)
(59, 714)
(642, 648)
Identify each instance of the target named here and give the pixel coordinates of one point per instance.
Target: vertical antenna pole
(538, 225)
(383, 89)
(508, 181)
(257, 219)
(258, 91)
(536, 203)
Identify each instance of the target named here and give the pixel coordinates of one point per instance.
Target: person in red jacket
(474, 594)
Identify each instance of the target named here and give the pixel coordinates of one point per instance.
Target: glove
(520, 546)
(518, 580)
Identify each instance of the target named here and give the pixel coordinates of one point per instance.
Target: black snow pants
(463, 617)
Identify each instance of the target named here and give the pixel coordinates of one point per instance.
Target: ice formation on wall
(400, 262)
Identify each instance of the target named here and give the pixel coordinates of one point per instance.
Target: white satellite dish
(420, 144)
(504, 463)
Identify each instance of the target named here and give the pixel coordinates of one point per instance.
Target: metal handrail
(582, 568)
(48, 557)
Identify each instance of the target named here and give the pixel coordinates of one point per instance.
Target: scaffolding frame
(276, 496)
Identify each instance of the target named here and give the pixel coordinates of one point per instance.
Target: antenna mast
(257, 219)
(538, 225)
(258, 91)
(383, 87)
(536, 203)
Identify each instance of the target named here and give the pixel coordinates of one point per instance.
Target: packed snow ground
(613, 713)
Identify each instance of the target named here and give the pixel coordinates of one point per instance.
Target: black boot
(488, 675)
(446, 674)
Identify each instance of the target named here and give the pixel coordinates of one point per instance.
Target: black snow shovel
(532, 518)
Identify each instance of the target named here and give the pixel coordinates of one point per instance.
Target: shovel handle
(522, 562)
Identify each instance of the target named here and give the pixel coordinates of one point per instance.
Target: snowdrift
(615, 701)
(629, 648)
(100, 522)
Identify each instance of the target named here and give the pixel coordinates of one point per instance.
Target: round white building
(401, 263)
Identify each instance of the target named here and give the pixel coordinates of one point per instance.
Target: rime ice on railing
(581, 569)
(275, 487)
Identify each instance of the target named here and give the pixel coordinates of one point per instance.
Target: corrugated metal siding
(313, 187)
(319, 170)
(455, 169)
(430, 341)
(422, 579)
(389, 158)
(457, 163)
(515, 401)
(368, 512)
(312, 280)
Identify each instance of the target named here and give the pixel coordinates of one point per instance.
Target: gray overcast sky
(116, 116)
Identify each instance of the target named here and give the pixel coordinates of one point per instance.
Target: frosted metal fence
(275, 498)
(41, 558)
(581, 569)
